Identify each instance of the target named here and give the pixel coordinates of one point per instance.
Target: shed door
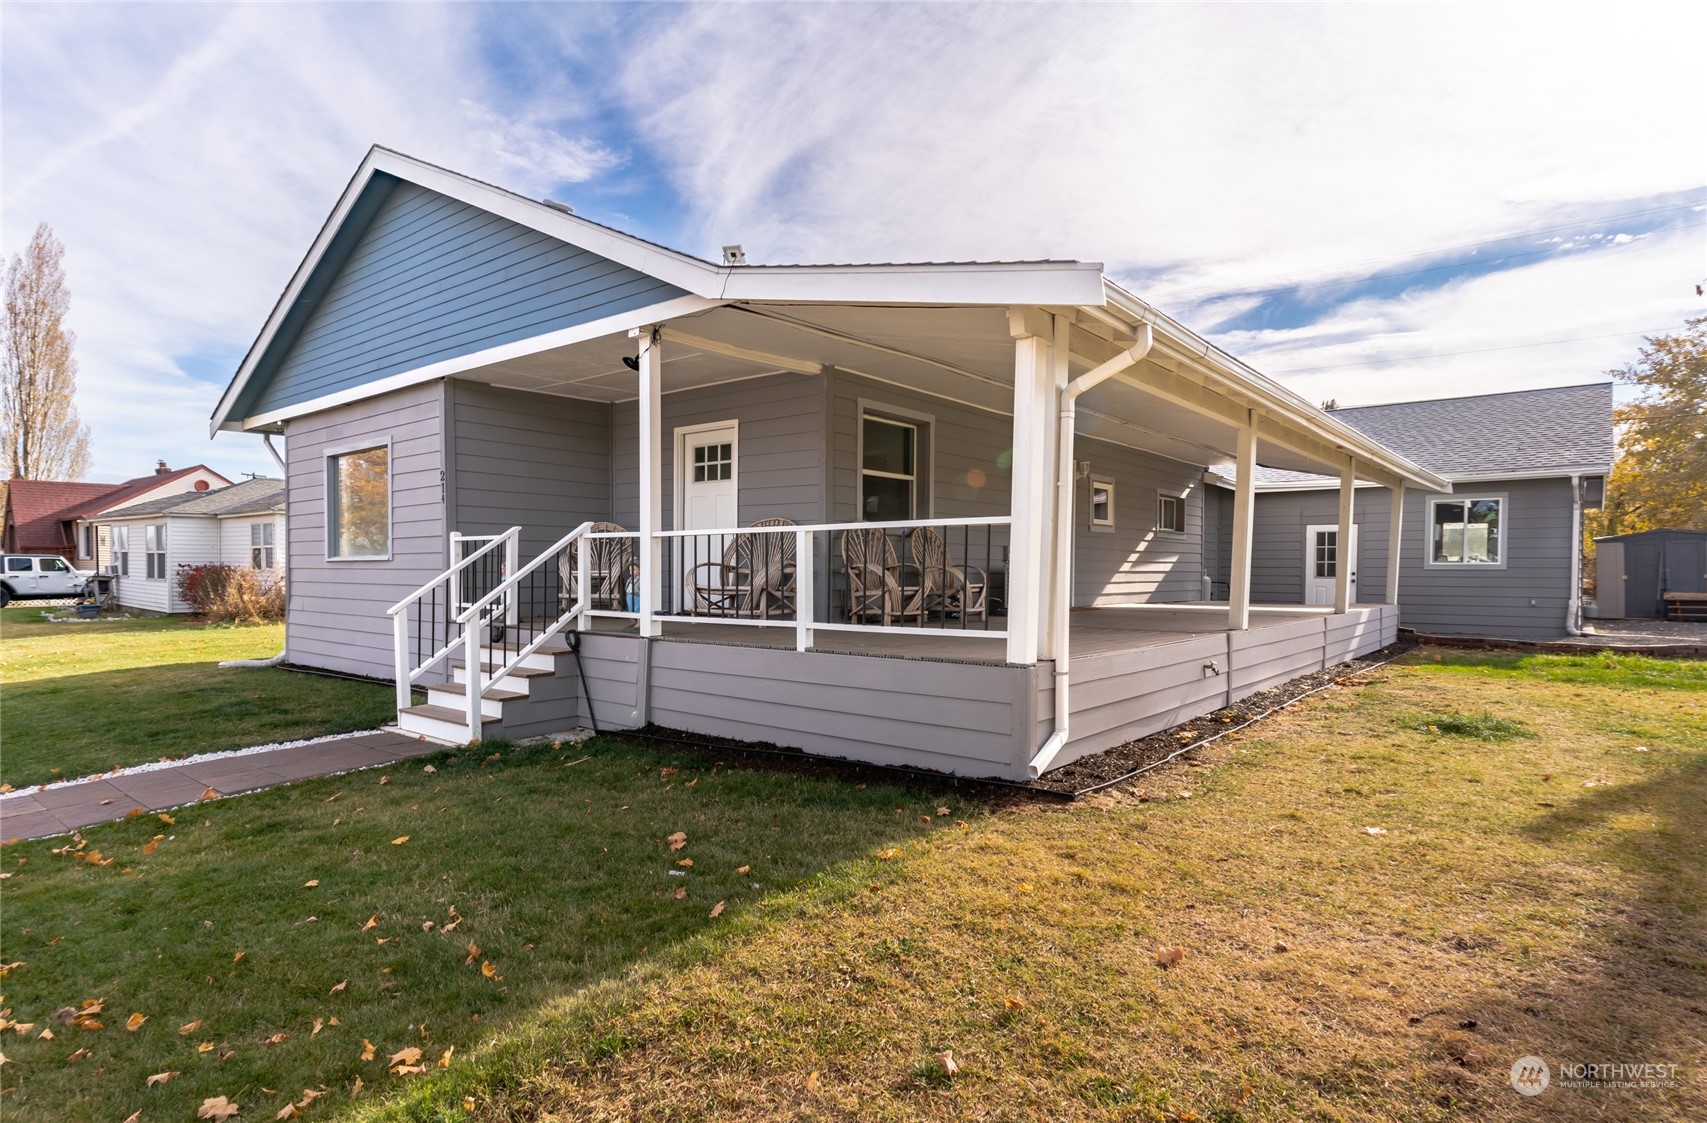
(1322, 559)
(1609, 580)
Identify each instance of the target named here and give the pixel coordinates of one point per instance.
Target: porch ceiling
(960, 353)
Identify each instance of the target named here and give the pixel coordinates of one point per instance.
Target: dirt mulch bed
(1110, 767)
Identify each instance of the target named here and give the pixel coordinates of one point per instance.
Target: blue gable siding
(428, 279)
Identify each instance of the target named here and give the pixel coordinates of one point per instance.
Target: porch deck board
(1095, 631)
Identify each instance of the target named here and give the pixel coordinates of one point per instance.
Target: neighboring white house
(240, 525)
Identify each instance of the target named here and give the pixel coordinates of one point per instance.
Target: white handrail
(551, 552)
(908, 524)
(405, 675)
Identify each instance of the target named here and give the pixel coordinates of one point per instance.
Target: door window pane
(713, 462)
(359, 495)
(18, 565)
(1327, 553)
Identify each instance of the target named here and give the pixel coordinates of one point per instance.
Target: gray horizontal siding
(1470, 601)
(780, 461)
(531, 460)
(1133, 562)
(336, 613)
(962, 718)
(432, 278)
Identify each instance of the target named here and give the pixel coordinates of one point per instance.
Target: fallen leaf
(311, 884)
(135, 813)
(339, 989)
(21, 1028)
(717, 910)
(662, 772)
(277, 1039)
(812, 1082)
(319, 1024)
(165, 818)
(686, 863)
(942, 811)
(5, 787)
(216, 1109)
(1169, 957)
(211, 794)
(150, 847)
(45, 1034)
(889, 854)
(356, 1088)
(189, 1027)
(309, 1095)
(333, 1020)
(1016, 1003)
(133, 1117)
(237, 957)
(468, 1103)
(408, 1070)
(288, 1111)
(444, 1061)
(367, 1049)
(946, 1060)
(372, 923)
(331, 797)
(680, 894)
(489, 969)
(400, 840)
(429, 768)
(205, 1047)
(677, 840)
(743, 869)
(1375, 830)
(78, 1055)
(134, 1022)
(473, 953)
(385, 779)
(160, 1078)
(408, 1055)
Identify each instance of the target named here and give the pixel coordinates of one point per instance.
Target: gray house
(1500, 555)
(948, 514)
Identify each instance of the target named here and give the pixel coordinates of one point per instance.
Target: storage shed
(1634, 572)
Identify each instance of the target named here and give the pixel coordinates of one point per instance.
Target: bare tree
(44, 438)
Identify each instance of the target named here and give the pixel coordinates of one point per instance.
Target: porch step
(452, 696)
(517, 680)
(441, 723)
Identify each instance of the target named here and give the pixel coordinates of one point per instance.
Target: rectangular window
(1102, 503)
(261, 545)
(888, 470)
(1327, 553)
(1170, 513)
(20, 565)
(154, 549)
(88, 541)
(1465, 531)
(121, 550)
(358, 504)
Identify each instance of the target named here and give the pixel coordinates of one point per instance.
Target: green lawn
(82, 698)
(1539, 888)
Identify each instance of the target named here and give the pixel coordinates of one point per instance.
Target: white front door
(1322, 559)
(706, 476)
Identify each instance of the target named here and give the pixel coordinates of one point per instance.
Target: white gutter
(1574, 607)
(1063, 600)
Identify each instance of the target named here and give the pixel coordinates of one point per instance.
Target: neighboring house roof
(35, 511)
(1556, 431)
(130, 489)
(251, 497)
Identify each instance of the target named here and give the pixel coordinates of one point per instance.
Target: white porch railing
(434, 608)
(947, 576)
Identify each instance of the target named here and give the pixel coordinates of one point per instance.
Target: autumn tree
(44, 438)
(1660, 478)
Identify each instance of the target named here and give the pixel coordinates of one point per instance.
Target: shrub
(235, 594)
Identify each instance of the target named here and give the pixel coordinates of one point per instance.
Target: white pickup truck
(38, 577)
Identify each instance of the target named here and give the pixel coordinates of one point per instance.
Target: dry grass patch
(1536, 894)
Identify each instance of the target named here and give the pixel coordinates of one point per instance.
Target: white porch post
(1027, 577)
(1345, 556)
(1395, 540)
(1244, 519)
(651, 478)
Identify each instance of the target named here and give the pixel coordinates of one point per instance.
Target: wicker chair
(607, 568)
(878, 584)
(755, 579)
(947, 587)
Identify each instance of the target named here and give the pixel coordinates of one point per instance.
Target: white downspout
(1063, 600)
(1573, 611)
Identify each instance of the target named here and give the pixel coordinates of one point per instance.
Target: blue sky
(1369, 202)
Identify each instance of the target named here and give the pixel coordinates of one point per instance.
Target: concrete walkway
(43, 812)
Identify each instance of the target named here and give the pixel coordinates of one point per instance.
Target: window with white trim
(358, 503)
(1170, 513)
(1102, 503)
(88, 550)
(713, 462)
(1466, 530)
(154, 550)
(121, 550)
(261, 545)
(888, 470)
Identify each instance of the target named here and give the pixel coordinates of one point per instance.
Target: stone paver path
(73, 806)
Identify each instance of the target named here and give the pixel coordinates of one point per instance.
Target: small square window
(1102, 503)
(1170, 513)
